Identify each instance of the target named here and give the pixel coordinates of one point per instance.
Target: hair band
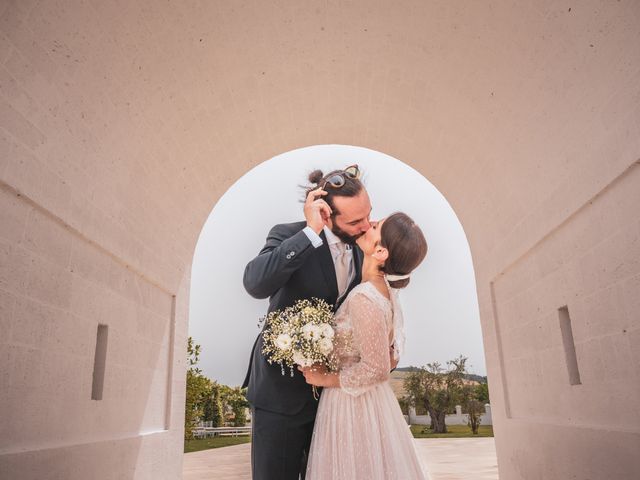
(393, 278)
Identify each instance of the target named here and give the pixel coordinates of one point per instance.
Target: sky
(440, 304)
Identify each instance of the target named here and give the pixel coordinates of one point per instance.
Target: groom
(314, 258)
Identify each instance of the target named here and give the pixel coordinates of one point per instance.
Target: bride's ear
(381, 254)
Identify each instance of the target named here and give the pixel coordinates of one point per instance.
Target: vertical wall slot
(99, 362)
(569, 346)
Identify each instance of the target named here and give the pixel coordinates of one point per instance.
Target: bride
(360, 432)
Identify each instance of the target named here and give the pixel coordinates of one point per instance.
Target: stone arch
(122, 123)
(270, 193)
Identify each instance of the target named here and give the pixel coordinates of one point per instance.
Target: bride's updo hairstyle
(406, 245)
(351, 188)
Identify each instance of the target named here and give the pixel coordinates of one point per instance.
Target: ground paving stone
(445, 458)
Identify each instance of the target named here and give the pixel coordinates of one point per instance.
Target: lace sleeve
(371, 340)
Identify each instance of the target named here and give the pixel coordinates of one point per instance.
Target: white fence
(208, 432)
(457, 418)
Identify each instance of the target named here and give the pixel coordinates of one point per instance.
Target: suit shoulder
(287, 229)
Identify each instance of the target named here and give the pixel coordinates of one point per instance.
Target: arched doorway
(123, 124)
(441, 307)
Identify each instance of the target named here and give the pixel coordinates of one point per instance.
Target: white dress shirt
(333, 241)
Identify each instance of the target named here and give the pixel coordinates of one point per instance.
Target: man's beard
(344, 236)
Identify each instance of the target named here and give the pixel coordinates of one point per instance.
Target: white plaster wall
(122, 123)
(591, 264)
(56, 288)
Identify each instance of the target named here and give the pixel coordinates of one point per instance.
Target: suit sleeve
(283, 253)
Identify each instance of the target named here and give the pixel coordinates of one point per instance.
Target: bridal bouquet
(300, 335)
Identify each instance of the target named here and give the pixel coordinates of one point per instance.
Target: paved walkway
(459, 458)
(446, 458)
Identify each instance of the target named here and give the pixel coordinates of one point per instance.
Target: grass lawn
(454, 431)
(215, 442)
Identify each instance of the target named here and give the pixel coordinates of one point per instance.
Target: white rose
(327, 331)
(311, 331)
(283, 342)
(301, 360)
(326, 346)
(306, 329)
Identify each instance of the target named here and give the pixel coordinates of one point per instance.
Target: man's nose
(365, 226)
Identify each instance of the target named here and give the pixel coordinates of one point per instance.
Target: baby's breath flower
(300, 335)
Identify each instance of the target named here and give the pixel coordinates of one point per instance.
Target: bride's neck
(371, 271)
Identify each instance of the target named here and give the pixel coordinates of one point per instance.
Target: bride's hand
(317, 375)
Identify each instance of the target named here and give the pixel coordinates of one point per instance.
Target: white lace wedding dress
(360, 432)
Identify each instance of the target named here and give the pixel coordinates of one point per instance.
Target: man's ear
(381, 254)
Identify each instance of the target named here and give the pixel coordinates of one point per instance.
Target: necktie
(342, 268)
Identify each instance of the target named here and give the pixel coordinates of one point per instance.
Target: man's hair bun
(315, 176)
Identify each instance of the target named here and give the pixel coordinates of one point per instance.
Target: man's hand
(392, 360)
(316, 210)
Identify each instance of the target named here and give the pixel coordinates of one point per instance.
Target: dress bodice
(364, 333)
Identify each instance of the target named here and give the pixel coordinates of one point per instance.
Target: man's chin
(349, 239)
(353, 240)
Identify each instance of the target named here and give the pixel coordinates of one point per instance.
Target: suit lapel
(327, 266)
(358, 257)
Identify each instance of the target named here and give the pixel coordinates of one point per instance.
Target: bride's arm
(320, 377)
(371, 340)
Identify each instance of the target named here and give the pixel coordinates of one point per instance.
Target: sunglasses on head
(337, 179)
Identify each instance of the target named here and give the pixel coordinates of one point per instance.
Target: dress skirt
(362, 437)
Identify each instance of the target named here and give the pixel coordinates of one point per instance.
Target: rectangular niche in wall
(99, 362)
(569, 346)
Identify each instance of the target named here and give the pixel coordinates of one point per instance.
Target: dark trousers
(280, 444)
